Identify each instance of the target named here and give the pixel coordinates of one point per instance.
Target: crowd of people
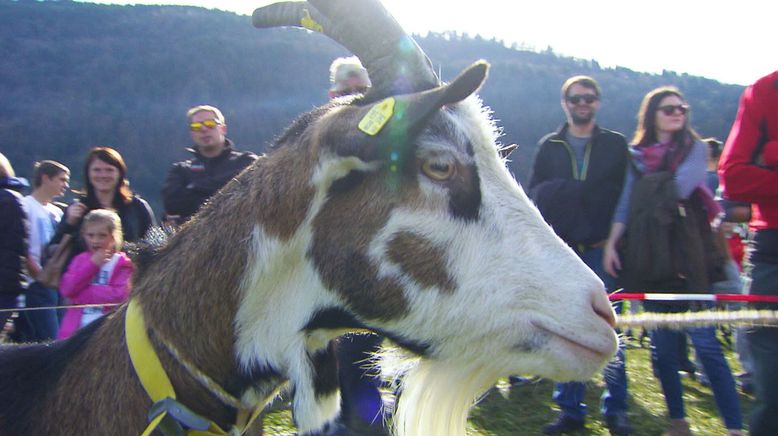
(664, 212)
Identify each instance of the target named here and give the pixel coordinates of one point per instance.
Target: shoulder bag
(55, 265)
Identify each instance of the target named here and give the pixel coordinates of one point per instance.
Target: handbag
(55, 265)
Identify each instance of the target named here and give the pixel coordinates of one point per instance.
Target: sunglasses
(200, 125)
(672, 108)
(587, 98)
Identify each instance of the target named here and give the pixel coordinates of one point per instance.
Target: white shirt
(43, 221)
(89, 314)
(104, 275)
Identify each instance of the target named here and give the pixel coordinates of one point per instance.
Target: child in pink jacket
(100, 275)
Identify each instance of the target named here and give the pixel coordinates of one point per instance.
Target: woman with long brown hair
(106, 187)
(662, 223)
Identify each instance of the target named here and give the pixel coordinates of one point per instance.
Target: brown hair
(48, 168)
(645, 132)
(585, 81)
(123, 194)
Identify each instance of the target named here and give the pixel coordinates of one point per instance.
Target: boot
(564, 424)
(678, 427)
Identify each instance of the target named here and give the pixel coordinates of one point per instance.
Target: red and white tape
(657, 296)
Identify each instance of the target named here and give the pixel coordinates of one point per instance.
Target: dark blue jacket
(13, 236)
(579, 202)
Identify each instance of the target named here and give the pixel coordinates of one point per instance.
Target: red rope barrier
(656, 296)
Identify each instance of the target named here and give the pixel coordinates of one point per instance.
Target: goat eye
(437, 170)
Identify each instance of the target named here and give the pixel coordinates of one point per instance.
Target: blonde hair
(6, 170)
(109, 218)
(205, 108)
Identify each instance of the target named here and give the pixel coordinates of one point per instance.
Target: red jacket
(744, 176)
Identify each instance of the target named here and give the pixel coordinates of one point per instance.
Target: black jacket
(191, 182)
(668, 245)
(13, 237)
(579, 204)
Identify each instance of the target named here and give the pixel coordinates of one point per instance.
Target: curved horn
(395, 63)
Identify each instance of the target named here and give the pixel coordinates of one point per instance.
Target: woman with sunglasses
(661, 241)
(106, 187)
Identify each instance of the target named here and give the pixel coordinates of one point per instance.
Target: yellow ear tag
(309, 23)
(377, 117)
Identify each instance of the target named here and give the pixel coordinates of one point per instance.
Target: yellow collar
(154, 379)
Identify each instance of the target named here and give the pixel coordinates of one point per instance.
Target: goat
(391, 212)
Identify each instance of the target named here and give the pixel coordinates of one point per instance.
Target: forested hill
(74, 75)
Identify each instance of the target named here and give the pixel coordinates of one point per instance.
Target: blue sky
(733, 42)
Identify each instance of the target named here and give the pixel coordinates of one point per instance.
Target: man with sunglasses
(214, 162)
(576, 181)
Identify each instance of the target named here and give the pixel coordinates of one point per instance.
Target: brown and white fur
(323, 235)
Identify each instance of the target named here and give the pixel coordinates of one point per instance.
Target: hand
(75, 212)
(33, 268)
(611, 261)
(101, 256)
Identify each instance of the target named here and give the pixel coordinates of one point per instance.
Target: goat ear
(396, 120)
(392, 123)
(466, 83)
(422, 105)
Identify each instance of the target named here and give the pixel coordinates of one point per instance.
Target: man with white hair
(348, 77)
(361, 402)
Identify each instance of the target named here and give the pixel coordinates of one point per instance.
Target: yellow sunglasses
(199, 125)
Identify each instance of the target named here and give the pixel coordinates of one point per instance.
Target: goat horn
(395, 63)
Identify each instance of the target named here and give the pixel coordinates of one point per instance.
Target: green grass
(523, 410)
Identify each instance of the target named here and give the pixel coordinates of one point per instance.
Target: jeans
(763, 343)
(667, 358)
(44, 324)
(359, 394)
(569, 396)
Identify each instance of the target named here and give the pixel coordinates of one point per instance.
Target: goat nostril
(602, 307)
